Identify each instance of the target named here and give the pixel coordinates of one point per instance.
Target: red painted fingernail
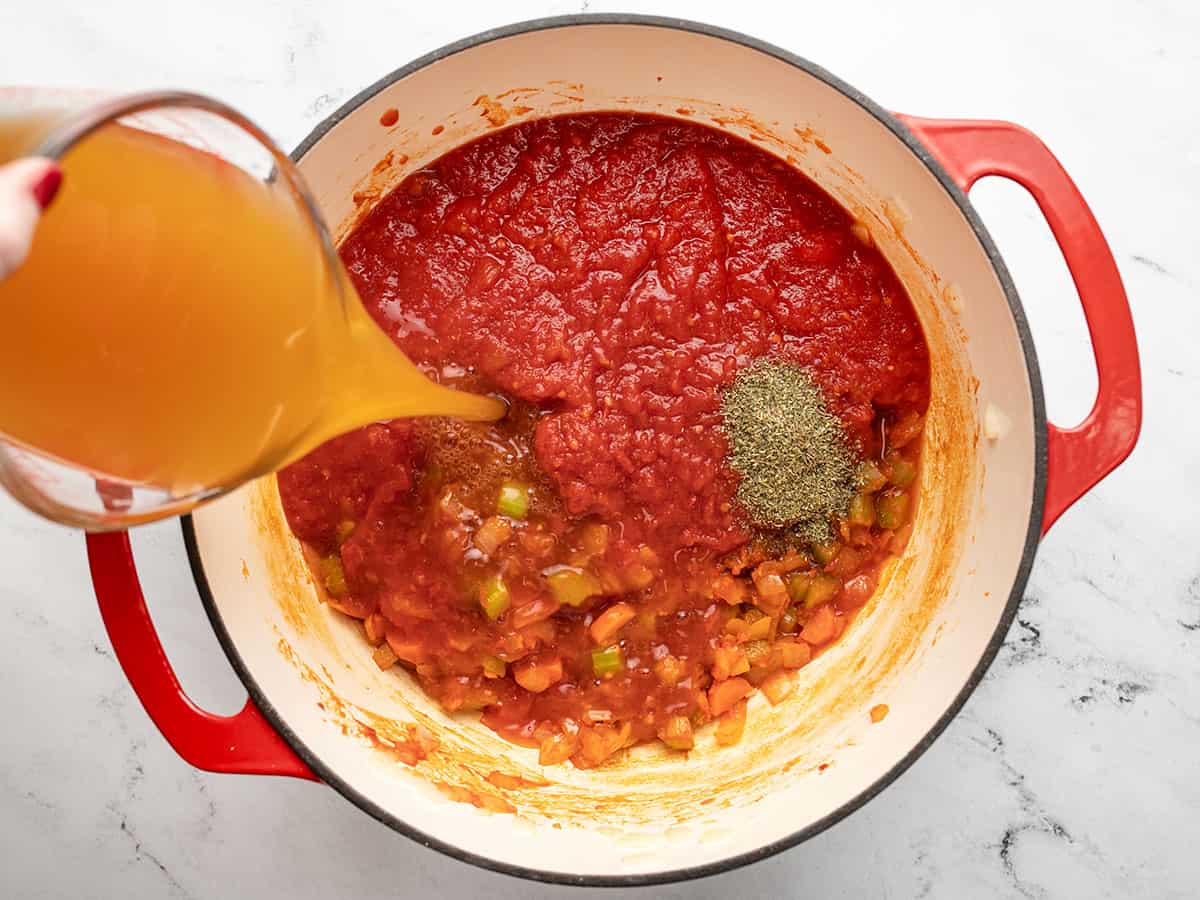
(47, 187)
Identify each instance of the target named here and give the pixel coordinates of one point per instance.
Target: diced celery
(903, 472)
(513, 500)
(757, 651)
(759, 629)
(333, 576)
(797, 584)
(870, 479)
(891, 511)
(494, 667)
(825, 552)
(494, 597)
(821, 590)
(787, 622)
(862, 510)
(572, 586)
(608, 661)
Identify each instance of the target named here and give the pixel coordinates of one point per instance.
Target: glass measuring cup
(183, 324)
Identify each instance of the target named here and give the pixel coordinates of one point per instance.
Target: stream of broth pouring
(176, 324)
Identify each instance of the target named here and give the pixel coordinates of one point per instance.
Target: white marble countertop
(1073, 771)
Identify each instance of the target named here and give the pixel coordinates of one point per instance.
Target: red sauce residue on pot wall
(495, 111)
(409, 742)
(514, 782)
(477, 798)
(389, 118)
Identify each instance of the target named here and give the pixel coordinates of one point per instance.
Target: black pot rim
(1032, 534)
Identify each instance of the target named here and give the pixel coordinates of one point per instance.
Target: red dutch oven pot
(996, 476)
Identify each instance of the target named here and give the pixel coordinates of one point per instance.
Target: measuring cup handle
(1078, 457)
(243, 743)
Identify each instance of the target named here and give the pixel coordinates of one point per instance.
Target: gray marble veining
(1072, 771)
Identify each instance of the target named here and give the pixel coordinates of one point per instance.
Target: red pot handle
(243, 743)
(1078, 457)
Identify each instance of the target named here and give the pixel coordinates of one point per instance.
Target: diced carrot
(537, 609)
(537, 544)
(732, 590)
(723, 694)
(677, 733)
(669, 670)
(731, 725)
(793, 654)
(492, 534)
(637, 576)
(375, 628)
(537, 673)
(593, 538)
(821, 627)
(357, 607)
(609, 622)
(557, 748)
(778, 687)
(738, 628)
(384, 656)
(408, 649)
(727, 660)
(543, 632)
(597, 744)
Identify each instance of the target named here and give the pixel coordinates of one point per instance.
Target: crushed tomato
(580, 572)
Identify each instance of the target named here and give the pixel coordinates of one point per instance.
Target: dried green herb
(798, 472)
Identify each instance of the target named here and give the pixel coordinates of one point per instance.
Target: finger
(27, 186)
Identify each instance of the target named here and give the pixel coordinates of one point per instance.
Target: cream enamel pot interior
(995, 474)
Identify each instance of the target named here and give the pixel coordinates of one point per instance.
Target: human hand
(26, 188)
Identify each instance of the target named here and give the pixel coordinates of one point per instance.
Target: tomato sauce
(581, 571)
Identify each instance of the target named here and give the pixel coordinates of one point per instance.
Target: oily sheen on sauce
(581, 572)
